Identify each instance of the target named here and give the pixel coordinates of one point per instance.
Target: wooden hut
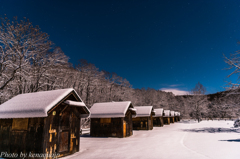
(158, 117)
(172, 116)
(111, 119)
(42, 124)
(166, 117)
(143, 120)
(177, 116)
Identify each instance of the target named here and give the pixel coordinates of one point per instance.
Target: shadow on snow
(187, 121)
(213, 130)
(232, 140)
(88, 136)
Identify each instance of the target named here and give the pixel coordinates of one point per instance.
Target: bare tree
(198, 101)
(233, 64)
(199, 89)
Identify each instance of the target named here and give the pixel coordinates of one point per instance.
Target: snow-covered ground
(182, 140)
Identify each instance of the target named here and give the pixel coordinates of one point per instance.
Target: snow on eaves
(32, 105)
(110, 109)
(74, 103)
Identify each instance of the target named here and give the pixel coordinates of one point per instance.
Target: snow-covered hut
(143, 120)
(177, 116)
(111, 119)
(43, 123)
(158, 117)
(172, 115)
(166, 117)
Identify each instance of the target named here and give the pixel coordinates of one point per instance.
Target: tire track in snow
(182, 143)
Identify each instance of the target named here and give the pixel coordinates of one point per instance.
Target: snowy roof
(110, 109)
(166, 113)
(172, 113)
(36, 104)
(158, 112)
(177, 113)
(143, 111)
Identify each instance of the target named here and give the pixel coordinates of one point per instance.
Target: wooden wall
(106, 127)
(171, 119)
(158, 121)
(21, 135)
(143, 123)
(127, 120)
(62, 129)
(166, 120)
(112, 127)
(177, 118)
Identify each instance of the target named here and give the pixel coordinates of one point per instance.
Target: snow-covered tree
(90, 77)
(20, 44)
(28, 60)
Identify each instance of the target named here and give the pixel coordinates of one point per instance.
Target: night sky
(161, 44)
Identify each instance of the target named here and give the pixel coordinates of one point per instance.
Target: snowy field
(181, 140)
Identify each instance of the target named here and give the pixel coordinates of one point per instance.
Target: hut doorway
(124, 129)
(69, 126)
(74, 136)
(64, 131)
(126, 126)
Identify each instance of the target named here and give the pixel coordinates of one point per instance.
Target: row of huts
(118, 119)
(47, 124)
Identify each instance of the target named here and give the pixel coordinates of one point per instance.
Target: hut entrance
(126, 124)
(150, 122)
(64, 132)
(63, 146)
(69, 126)
(74, 136)
(124, 129)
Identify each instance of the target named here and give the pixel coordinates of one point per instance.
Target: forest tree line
(30, 62)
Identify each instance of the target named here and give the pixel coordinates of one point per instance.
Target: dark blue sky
(162, 44)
